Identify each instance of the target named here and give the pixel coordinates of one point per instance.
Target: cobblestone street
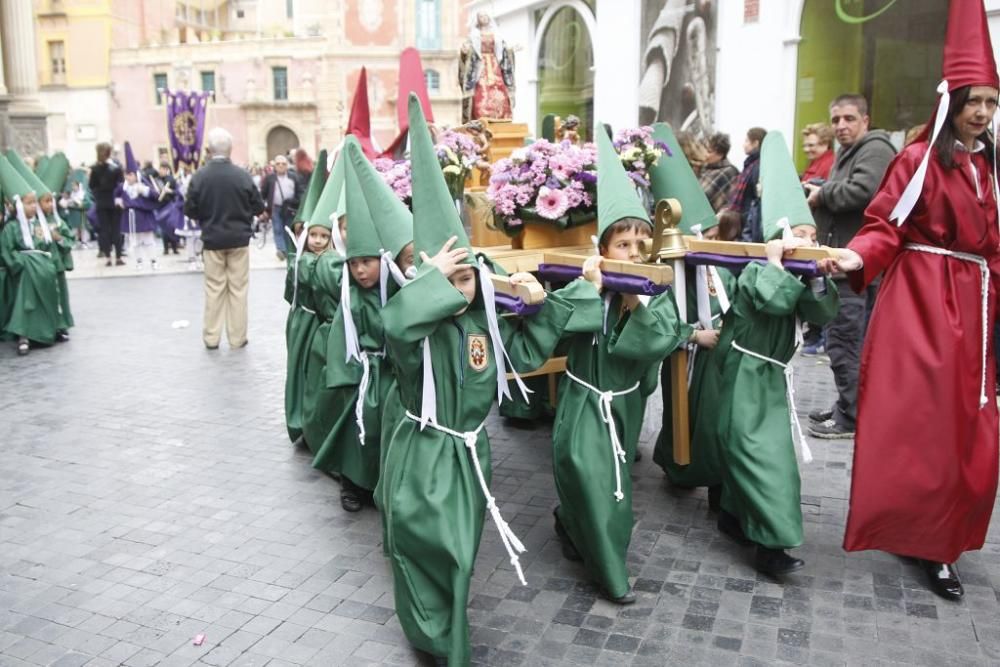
(149, 498)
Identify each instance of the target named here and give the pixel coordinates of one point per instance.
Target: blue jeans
(278, 229)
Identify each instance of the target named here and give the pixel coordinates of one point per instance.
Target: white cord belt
(307, 309)
(507, 536)
(359, 406)
(789, 373)
(604, 400)
(984, 272)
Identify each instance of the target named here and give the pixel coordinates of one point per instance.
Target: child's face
(624, 245)
(464, 280)
(318, 240)
(130, 178)
(404, 260)
(30, 204)
(364, 270)
(807, 232)
(342, 226)
(47, 203)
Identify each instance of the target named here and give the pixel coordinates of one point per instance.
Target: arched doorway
(888, 50)
(566, 69)
(280, 140)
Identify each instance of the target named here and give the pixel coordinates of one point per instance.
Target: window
(57, 60)
(289, 8)
(280, 76)
(428, 24)
(240, 13)
(433, 80)
(208, 82)
(159, 84)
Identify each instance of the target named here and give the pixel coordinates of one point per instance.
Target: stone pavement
(149, 497)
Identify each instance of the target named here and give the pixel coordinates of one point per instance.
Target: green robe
(434, 506)
(705, 468)
(299, 329)
(760, 473)
(342, 451)
(615, 359)
(318, 408)
(34, 285)
(62, 253)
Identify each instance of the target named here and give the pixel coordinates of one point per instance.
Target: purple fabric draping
(735, 264)
(515, 305)
(616, 282)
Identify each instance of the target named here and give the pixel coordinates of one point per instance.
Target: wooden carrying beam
(530, 293)
(658, 274)
(741, 249)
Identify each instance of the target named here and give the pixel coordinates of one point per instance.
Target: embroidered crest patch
(478, 355)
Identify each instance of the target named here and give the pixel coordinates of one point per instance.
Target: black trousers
(845, 336)
(108, 232)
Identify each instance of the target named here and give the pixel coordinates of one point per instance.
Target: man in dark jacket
(839, 206)
(224, 200)
(282, 190)
(105, 177)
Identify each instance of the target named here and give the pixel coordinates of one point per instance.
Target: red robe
(925, 456)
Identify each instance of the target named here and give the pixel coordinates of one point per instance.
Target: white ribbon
(300, 244)
(787, 235)
(499, 351)
(389, 268)
(984, 271)
(338, 240)
(133, 241)
(911, 194)
(604, 401)
(428, 401)
(359, 405)
(351, 346)
(507, 536)
(789, 373)
(22, 219)
(703, 274)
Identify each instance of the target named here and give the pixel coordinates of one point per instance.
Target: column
(3, 84)
(19, 47)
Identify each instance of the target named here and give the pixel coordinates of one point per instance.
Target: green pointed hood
(54, 172)
(435, 218)
(41, 164)
(316, 182)
(331, 199)
(393, 221)
(616, 195)
(672, 177)
(29, 176)
(11, 182)
(362, 237)
(782, 195)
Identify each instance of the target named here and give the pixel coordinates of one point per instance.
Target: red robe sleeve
(879, 240)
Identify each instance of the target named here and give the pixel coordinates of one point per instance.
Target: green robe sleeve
(588, 307)
(648, 333)
(531, 341)
(819, 309)
(64, 247)
(772, 291)
(9, 246)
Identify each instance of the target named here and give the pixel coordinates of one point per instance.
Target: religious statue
(481, 136)
(486, 72)
(569, 130)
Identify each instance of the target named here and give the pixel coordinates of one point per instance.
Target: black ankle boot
(776, 562)
(350, 495)
(943, 578)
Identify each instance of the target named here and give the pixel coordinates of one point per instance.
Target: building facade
(724, 65)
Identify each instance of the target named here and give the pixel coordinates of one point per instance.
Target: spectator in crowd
(838, 206)
(303, 166)
(223, 199)
(693, 150)
(817, 143)
(718, 175)
(282, 192)
(105, 177)
(745, 198)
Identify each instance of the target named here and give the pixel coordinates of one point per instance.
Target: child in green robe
(601, 402)
(450, 352)
(758, 425)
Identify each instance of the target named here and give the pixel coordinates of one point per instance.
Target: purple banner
(186, 125)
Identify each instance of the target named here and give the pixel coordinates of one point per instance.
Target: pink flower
(551, 203)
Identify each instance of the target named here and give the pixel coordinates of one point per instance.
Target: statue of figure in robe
(486, 72)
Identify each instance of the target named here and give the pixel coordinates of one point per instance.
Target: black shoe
(628, 598)
(349, 499)
(107, 263)
(715, 497)
(943, 578)
(211, 347)
(830, 430)
(820, 416)
(776, 562)
(119, 262)
(729, 526)
(569, 552)
(62, 336)
(22, 347)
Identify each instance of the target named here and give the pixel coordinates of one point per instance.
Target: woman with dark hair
(925, 458)
(105, 176)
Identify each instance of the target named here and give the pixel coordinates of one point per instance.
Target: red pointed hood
(968, 51)
(360, 122)
(411, 80)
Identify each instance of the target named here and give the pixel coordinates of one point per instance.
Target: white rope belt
(604, 400)
(33, 251)
(307, 309)
(984, 272)
(789, 373)
(507, 536)
(359, 406)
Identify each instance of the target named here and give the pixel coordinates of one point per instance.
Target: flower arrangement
(397, 175)
(545, 182)
(458, 153)
(639, 151)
